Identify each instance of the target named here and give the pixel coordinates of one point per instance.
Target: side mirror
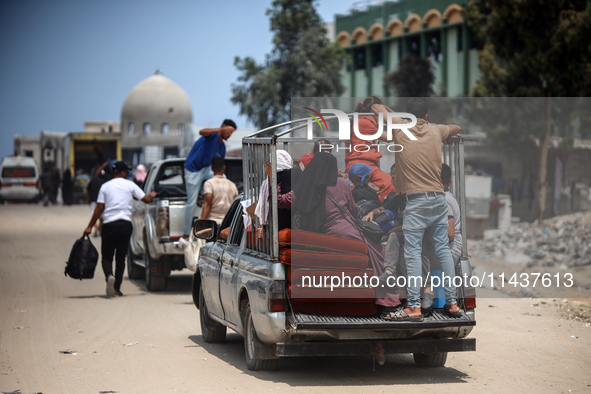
(205, 229)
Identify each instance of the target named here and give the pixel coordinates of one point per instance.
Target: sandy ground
(59, 335)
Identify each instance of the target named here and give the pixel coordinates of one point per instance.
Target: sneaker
(111, 286)
(118, 293)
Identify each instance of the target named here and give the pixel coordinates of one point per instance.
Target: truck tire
(211, 330)
(252, 346)
(196, 289)
(153, 282)
(430, 360)
(134, 271)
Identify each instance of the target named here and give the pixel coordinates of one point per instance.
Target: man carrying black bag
(114, 203)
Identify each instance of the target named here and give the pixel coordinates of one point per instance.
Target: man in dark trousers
(114, 204)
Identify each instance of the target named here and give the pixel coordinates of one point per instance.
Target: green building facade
(376, 40)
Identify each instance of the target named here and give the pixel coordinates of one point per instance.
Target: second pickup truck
(154, 249)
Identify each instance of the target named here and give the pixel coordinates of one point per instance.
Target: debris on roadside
(559, 241)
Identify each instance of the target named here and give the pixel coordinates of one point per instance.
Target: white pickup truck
(157, 227)
(242, 284)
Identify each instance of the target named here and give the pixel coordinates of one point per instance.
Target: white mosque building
(154, 117)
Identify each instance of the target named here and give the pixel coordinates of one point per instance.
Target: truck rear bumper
(374, 348)
(323, 328)
(169, 246)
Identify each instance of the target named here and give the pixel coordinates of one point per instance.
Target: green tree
(412, 78)
(303, 63)
(532, 48)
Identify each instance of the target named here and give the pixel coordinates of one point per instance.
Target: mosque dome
(156, 105)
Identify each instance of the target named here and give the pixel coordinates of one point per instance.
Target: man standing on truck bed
(114, 203)
(198, 164)
(219, 192)
(417, 175)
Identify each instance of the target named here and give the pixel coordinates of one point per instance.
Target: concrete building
(376, 40)
(29, 146)
(101, 126)
(154, 118)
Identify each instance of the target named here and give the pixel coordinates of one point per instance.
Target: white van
(19, 179)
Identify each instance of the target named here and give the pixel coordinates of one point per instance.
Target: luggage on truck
(83, 259)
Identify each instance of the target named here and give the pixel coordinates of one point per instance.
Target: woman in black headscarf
(318, 212)
(67, 187)
(310, 191)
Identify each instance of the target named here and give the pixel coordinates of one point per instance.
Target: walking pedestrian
(93, 187)
(67, 187)
(114, 203)
(140, 175)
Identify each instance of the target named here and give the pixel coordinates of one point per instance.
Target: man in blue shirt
(198, 164)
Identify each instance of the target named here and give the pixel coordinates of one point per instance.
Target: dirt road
(59, 335)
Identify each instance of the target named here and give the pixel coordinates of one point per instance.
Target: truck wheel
(134, 271)
(253, 347)
(430, 360)
(211, 330)
(196, 289)
(153, 282)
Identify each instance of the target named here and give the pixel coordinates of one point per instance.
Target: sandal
(388, 311)
(456, 313)
(402, 315)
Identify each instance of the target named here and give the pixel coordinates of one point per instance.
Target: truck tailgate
(176, 216)
(325, 322)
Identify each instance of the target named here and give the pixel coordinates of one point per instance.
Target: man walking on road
(198, 164)
(114, 204)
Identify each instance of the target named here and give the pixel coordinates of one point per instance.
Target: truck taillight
(5, 184)
(470, 302)
(276, 295)
(162, 221)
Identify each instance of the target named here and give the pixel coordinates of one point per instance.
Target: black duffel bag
(83, 259)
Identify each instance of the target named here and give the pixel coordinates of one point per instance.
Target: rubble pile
(562, 240)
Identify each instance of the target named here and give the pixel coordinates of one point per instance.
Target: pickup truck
(242, 284)
(154, 249)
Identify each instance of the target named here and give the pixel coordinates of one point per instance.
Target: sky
(63, 62)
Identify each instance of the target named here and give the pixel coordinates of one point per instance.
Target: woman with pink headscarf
(140, 175)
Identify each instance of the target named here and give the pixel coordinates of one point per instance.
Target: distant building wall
(519, 177)
(25, 145)
(101, 126)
